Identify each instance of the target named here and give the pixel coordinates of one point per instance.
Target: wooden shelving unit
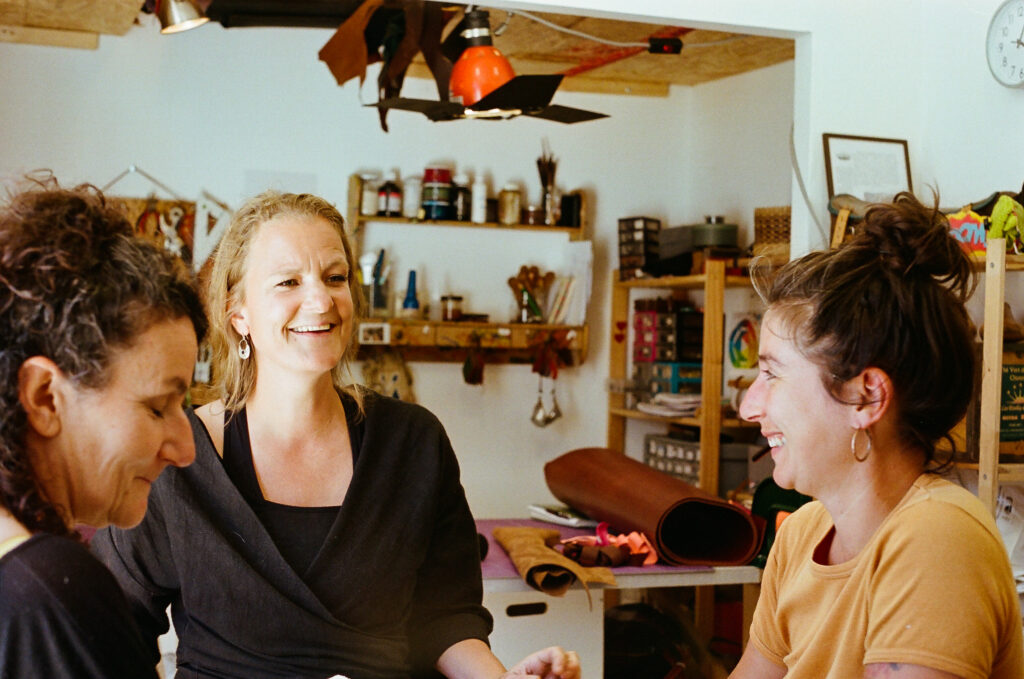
(452, 341)
(709, 417)
(713, 284)
(990, 471)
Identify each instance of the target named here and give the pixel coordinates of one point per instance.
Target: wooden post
(992, 373)
(711, 374)
(619, 333)
(839, 228)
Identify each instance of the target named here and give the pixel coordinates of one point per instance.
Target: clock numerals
(1005, 43)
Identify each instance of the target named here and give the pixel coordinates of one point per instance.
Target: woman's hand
(550, 663)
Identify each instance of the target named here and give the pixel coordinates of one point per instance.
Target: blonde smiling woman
(323, 529)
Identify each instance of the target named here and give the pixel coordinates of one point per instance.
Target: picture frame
(374, 332)
(873, 169)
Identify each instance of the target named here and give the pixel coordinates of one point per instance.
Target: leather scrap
(351, 49)
(541, 566)
(346, 53)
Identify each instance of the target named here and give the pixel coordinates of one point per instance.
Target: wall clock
(1004, 45)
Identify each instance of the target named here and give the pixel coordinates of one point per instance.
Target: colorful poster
(168, 223)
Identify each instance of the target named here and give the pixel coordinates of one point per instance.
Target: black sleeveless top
(298, 532)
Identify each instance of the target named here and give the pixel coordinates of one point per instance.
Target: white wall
(227, 111)
(907, 69)
(258, 104)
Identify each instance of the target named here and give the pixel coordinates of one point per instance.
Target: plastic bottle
(478, 200)
(411, 303)
(389, 197)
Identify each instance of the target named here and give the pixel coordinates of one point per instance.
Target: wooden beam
(638, 88)
(50, 37)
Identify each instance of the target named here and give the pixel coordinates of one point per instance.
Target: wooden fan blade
(523, 92)
(564, 114)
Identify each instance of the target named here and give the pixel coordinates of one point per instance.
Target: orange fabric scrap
(641, 552)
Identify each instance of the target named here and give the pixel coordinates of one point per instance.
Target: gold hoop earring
(243, 348)
(853, 445)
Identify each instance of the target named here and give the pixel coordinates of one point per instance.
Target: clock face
(1005, 44)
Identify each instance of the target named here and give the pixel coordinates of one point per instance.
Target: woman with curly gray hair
(99, 337)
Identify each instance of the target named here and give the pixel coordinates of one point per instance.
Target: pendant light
(179, 15)
(481, 68)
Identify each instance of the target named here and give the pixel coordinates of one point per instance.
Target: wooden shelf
(453, 341)
(1008, 473)
(692, 282)
(356, 219)
(695, 421)
(574, 232)
(1013, 262)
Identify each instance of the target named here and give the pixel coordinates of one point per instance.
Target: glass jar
(368, 199)
(509, 204)
(451, 307)
(411, 197)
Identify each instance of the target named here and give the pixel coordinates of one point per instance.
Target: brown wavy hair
(76, 286)
(233, 378)
(891, 297)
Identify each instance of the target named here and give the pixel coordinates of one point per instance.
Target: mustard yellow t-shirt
(933, 587)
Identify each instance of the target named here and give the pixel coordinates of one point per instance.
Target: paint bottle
(461, 198)
(478, 200)
(411, 303)
(389, 197)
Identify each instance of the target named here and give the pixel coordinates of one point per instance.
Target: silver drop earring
(243, 348)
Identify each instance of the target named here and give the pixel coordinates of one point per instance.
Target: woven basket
(771, 225)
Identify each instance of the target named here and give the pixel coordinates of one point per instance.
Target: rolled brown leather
(687, 525)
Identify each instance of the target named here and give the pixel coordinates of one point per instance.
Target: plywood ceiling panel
(113, 17)
(530, 46)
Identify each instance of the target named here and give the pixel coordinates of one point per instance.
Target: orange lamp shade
(480, 70)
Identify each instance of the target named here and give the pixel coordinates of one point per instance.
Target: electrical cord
(803, 189)
(594, 38)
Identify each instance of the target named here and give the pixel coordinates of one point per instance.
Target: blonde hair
(234, 378)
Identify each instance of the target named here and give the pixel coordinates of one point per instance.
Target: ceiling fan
(483, 85)
(474, 80)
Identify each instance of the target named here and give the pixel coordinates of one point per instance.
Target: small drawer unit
(638, 247)
(667, 330)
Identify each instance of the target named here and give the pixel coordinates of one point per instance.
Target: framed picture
(374, 332)
(169, 224)
(869, 168)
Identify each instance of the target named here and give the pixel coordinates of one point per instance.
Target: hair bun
(910, 239)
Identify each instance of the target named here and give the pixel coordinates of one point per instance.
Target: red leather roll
(687, 525)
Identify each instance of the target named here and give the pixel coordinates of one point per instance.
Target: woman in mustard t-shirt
(866, 361)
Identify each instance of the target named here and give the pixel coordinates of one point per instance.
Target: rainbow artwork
(743, 344)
